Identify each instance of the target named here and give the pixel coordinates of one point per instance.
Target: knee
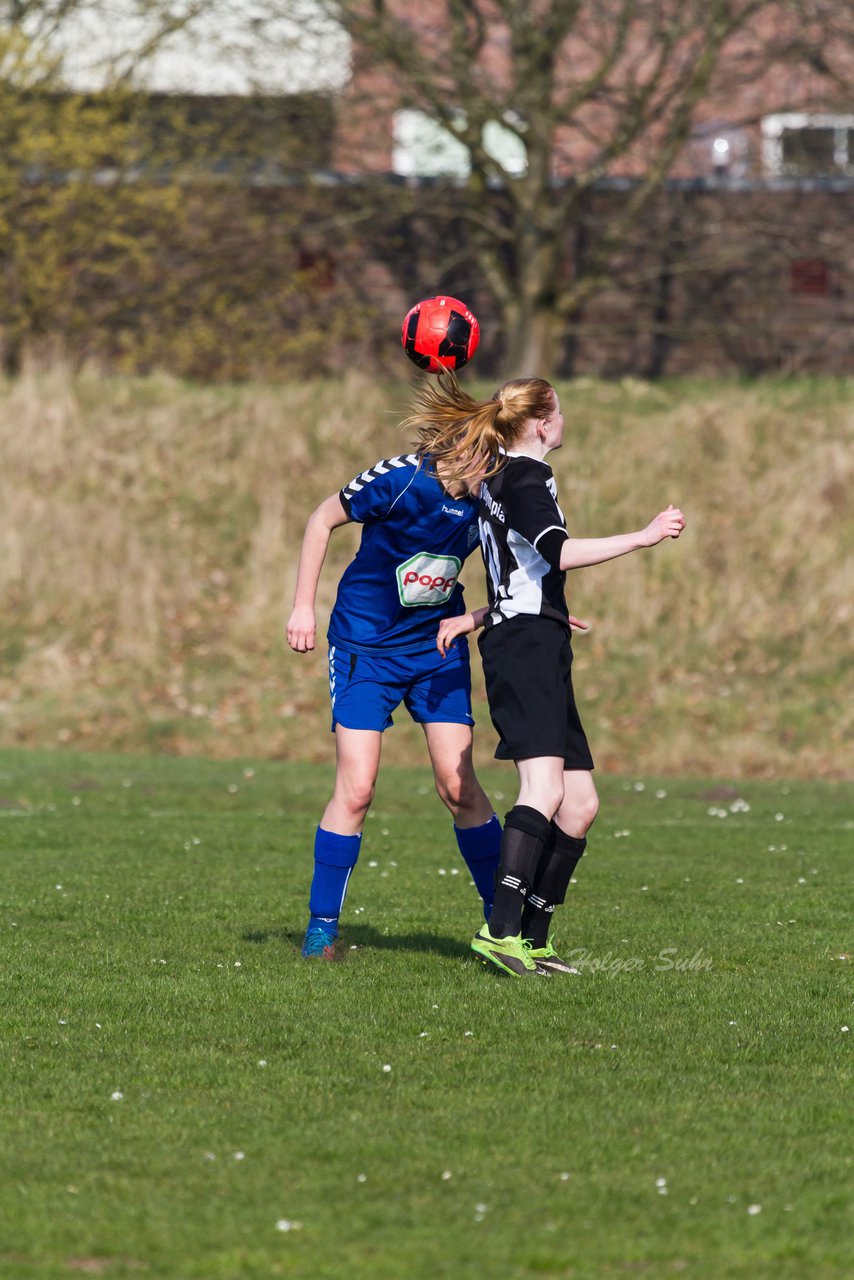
(451, 789)
(589, 811)
(460, 791)
(356, 795)
(576, 818)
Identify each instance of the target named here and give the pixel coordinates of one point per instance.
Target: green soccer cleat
(511, 955)
(547, 960)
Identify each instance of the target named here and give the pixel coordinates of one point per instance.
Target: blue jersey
(405, 576)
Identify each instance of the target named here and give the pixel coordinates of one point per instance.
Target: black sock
(560, 857)
(525, 833)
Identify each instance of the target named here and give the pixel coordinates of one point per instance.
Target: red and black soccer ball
(440, 333)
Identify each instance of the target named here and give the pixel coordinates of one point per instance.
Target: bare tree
(592, 90)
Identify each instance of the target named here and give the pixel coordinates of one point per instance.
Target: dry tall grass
(150, 532)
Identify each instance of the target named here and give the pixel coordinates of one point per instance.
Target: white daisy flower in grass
(447, 1175)
(262, 1062)
(387, 1067)
(361, 1177)
(564, 1177)
(116, 1095)
(286, 1224)
(753, 1209)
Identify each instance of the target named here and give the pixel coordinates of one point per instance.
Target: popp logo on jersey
(427, 579)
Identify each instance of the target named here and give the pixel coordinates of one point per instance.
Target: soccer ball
(440, 333)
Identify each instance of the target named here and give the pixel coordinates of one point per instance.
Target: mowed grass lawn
(183, 1096)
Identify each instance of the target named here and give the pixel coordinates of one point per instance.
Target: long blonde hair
(463, 436)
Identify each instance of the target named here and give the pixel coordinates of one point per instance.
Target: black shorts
(527, 664)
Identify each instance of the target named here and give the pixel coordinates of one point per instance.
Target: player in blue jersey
(418, 526)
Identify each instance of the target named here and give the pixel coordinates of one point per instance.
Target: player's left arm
(578, 553)
(302, 624)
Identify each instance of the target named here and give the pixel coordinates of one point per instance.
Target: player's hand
(302, 629)
(576, 624)
(667, 524)
(450, 628)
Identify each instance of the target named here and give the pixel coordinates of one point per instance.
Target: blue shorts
(366, 688)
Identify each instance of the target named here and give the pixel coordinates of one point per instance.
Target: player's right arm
(302, 624)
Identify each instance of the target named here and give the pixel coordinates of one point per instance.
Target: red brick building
(743, 260)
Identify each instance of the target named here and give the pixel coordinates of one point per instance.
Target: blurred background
(212, 220)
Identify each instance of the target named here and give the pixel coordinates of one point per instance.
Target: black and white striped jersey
(522, 531)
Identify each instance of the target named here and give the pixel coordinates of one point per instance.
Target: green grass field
(184, 1097)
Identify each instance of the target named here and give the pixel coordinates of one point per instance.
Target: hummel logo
(452, 511)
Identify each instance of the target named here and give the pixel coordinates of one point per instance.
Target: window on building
(422, 148)
(799, 145)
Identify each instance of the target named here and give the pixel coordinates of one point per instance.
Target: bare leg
(450, 747)
(580, 803)
(476, 829)
(357, 765)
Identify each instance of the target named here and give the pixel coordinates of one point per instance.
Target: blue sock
(334, 859)
(481, 847)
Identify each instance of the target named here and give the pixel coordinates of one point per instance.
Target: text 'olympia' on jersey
(404, 577)
(522, 531)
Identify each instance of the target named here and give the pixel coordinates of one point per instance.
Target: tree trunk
(533, 340)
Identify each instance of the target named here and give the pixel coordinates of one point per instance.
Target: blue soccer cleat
(318, 943)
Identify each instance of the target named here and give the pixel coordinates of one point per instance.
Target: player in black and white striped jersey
(527, 658)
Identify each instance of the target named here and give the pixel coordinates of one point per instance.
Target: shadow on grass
(364, 935)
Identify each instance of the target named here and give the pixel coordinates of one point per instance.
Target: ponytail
(465, 437)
